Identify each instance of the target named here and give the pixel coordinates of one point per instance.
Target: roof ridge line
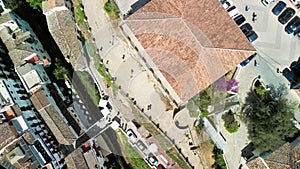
(185, 4)
(191, 32)
(220, 48)
(152, 19)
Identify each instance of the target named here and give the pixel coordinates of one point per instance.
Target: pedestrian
(101, 48)
(254, 15)
(123, 57)
(131, 70)
(255, 63)
(247, 8)
(107, 61)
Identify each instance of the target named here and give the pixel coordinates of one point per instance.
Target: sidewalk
(133, 79)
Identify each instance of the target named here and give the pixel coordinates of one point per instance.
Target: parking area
(277, 47)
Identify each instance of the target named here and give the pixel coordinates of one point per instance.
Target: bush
(111, 8)
(218, 157)
(199, 128)
(231, 124)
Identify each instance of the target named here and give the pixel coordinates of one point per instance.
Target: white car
(227, 4)
(132, 136)
(267, 2)
(233, 12)
(152, 160)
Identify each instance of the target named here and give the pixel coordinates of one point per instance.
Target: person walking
(247, 8)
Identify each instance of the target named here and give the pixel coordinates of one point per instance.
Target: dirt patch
(207, 148)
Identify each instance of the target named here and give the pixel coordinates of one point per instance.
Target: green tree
(60, 72)
(111, 8)
(13, 4)
(35, 4)
(231, 124)
(269, 118)
(200, 103)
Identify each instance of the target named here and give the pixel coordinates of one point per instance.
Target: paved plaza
(275, 49)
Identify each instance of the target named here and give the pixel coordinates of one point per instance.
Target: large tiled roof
(281, 158)
(257, 163)
(192, 42)
(76, 160)
(6, 134)
(285, 157)
(53, 120)
(17, 49)
(62, 28)
(39, 100)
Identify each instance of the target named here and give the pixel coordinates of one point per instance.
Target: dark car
(246, 61)
(246, 28)
(286, 15)
(239, 20)
(293, 25)
(278, 8)
(252, 36)
(297, 33)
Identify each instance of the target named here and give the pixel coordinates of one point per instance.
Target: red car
(160, 166)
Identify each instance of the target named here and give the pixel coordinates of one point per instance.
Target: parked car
(132, 136)
(160, 166)
(152, 159)
(297, 33)
(141, 145)
(278, 8)
(227, 3)
(252, 36)
(239, 20)
(293, 25)
(286, 15)
(246, 28)
(233, 12)
(289, 75)
(246, 61)
(267, 2)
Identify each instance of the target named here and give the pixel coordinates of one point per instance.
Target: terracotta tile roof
(281, 157)
(75, 160)
(285, 157)
(257, 163)
(160, 9)
(192, 43)
(53, 120)
(9, 114)
(39, 100)
(60, 124)
(62, 28)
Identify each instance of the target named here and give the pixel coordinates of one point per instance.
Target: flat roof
(192, 43)
(29, 75)
(19, 124)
